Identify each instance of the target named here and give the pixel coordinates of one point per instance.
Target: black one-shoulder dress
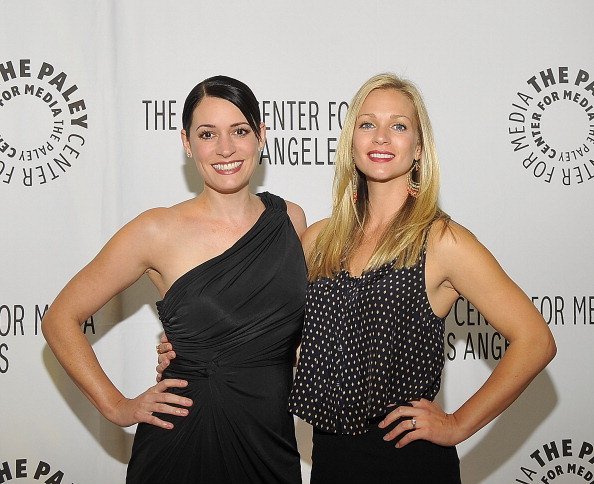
(234, 322)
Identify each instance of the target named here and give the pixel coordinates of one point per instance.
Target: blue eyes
(367, 125)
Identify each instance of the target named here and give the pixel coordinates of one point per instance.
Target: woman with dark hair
(230, 269)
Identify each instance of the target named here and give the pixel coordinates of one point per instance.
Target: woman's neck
(233, 207)
(385, 201)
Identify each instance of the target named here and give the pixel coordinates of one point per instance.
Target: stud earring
(413, 186)
(188, 154)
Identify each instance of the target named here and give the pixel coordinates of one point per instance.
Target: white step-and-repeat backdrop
(91, 95)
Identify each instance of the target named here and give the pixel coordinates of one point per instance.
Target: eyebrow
(234, 125)
(393, 116)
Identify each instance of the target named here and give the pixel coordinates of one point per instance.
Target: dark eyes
(242, 131)
(206, 135)
(239, 131)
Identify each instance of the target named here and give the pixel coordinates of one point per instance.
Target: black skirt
(367, 458)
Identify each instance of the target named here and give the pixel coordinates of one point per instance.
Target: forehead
(215, 110)
(388, 101)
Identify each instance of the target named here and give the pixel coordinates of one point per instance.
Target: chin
(383, 177)
(228, 188)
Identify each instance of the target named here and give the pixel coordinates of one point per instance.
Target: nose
(225, 146)
(380, 136)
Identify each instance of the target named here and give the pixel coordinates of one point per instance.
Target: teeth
(227, 166)
(381, 155)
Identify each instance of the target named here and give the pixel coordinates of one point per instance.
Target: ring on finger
(158, 350)
(413, 422)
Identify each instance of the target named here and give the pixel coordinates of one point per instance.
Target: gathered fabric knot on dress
(211, 368)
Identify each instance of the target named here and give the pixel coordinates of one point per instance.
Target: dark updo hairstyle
(226, 88)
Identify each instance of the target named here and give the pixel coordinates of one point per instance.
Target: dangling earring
(355, 184)
(412, 186)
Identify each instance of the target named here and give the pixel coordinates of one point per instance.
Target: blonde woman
(384, 271)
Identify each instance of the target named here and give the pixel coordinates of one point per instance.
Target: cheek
(252, 144)
(358, 156)
(202, 152)
(359, 145)
(250, 149)
(409, 143)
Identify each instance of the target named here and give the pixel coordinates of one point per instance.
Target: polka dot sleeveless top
(368, 342)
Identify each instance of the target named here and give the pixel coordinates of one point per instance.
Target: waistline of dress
(198, 371)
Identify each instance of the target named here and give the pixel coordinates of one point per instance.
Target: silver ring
(413, 421)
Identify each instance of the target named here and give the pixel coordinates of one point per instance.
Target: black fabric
(234, 322)
(367, 458)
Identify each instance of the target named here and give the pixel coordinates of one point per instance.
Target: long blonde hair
(403, 238)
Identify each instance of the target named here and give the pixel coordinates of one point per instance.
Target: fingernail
(385, 437)
(381, 425)
(168, 426)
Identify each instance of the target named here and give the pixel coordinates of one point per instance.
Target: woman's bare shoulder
(446, 234)
(297, 216)
(154, 222)
(311, 234)
(160, 220)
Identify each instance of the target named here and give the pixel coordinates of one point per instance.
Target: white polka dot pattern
(368, 342)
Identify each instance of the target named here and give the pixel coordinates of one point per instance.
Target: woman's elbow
(47, 325)
(50, 325)
(551, 348)
(547, 349)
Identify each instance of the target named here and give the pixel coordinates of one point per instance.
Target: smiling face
(223, 145)
(386, 137)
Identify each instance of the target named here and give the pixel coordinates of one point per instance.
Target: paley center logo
(32, 470)
(551, 125)
(43, 122)
(558, 461)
